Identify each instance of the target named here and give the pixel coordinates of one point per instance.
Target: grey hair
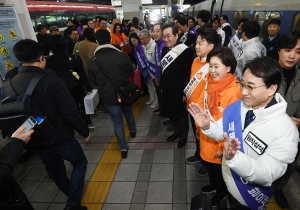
(144, 31)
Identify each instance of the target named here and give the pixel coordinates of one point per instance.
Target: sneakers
(149, 102)
(124, 153)
(156, 111)
(202, 171)
(154, 105)
(208, 189)
(193, 160)
(91, 126)
(133, 134)
(78, 207)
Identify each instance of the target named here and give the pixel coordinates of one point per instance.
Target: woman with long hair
(118, 38)
(221, 89)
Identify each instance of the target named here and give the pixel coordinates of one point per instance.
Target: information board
(10, 33)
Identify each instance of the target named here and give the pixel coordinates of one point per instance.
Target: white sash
(171, 56)
(235, 45)
(195, 81)
(184, 37)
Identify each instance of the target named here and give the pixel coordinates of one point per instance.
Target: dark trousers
(53, 158)
(144, 85)
(197, 152)
(216, 179)
(236, 204)
(181, 127)
(158, 93)
(280, 183)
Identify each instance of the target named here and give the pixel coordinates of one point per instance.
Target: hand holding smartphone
(30, 123)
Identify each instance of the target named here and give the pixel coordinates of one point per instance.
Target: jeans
(53, 158)
(117, 119)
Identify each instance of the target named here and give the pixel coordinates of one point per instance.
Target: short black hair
(225, 55)
(251, 29)
(267, 69)
(183, 21)
(40, 27)
(97, 17)
(133, 25)
(204, 15)
(158, 24)
(71, 30)
(275, 21)
(135, 20)
(172, 26)
(28, 51)
(114, 18)
(191, 18)
(215, 19)
(209, 34)
(103, 36)
(115, 27)
(225, 17)
(243, 20)
(288, 40)
(102, 18)
(133, 35)
(216, 16)
(89, 34)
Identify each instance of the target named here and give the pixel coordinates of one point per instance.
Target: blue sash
(151, 66)
(256, 196)
(141, 61)
(158, 56)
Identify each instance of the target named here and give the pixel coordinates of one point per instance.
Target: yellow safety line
(98, 187)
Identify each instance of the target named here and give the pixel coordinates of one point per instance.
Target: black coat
(173, 81)
(42, 39)
(52, 98)
(271, 47)
(119, 68)
(11, 195)
(228, 34)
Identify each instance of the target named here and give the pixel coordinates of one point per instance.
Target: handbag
(137, 78)
(127, 94)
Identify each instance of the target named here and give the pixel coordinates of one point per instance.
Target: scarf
(214, 88)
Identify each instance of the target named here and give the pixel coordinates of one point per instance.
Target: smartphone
(29, 123)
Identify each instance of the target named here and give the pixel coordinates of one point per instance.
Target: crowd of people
(233, 87)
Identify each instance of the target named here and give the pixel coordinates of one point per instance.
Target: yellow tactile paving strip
(98, 187)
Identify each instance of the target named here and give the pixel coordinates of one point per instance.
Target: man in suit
(270, 42)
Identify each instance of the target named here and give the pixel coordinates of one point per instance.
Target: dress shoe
(170, 128)
(298, 169)
(124, 153)
(167, 122)
(181, 143)
(78, 207)
(281, 199)
(172, 137)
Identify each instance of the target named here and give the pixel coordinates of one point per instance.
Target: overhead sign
(119, 2)
(10, 33)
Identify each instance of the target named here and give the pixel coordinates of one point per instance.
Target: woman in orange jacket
(118, 38)
(220, 90)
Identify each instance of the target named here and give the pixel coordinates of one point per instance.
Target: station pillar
(132, 8)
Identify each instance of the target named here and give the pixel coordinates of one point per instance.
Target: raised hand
(230, 147)
(201, 118)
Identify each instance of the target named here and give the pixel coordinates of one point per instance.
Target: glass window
(263, 18)
(236, 18)
(296, 22)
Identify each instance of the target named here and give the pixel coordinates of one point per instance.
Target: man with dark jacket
(11, 195)
(41, 37)
(119, 68)
(203, 17)
(225, 26)
(52, 98)
(271, 41)
(288, 46)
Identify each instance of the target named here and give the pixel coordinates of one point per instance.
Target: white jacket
(150, 54)
(222, 34)
(251, 49)
(276, 129)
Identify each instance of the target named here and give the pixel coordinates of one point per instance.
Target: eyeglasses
(247, 87)
(166, 37)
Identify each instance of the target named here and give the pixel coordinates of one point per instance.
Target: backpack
(16, 109)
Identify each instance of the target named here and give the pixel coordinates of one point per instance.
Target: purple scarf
(141, 61)
(158, 56)
(194, 30)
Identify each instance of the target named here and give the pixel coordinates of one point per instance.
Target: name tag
(149, 53)
(183, 39)
(255, 143)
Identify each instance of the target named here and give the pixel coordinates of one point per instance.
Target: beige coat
(86, 50)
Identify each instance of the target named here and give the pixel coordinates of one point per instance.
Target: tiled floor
(155, 175)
